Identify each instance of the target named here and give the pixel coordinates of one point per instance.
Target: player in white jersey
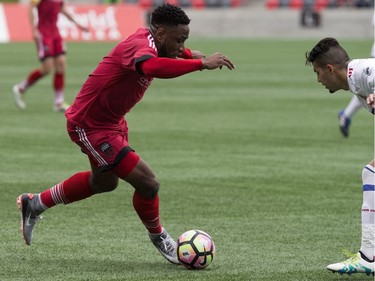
(336, 72)
(353, 106)
(361, 78)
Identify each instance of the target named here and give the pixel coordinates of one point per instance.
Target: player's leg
(368, 212)
(363, 261)
(111, 152)
(346, 114)
(43, 47)
(59, 76)
(78, 187)
(31, 206)
(136, 172)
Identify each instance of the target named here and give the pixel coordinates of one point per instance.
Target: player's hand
(197, 54)
(83, 28)
(36, 35)
(371, 102)
(217, 60)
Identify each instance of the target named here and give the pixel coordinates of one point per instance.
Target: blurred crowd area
(270, 4)
(319, 4)
(236, 3)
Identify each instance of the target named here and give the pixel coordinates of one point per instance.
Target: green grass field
(252, 156)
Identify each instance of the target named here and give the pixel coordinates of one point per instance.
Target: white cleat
(61, 107)
(354, 264)
(18, 97)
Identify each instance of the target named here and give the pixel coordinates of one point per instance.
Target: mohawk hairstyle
(327, 51)
(168, 14)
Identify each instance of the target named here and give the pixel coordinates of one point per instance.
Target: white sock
(368, 213)
(59, 97)
(353, 106)
(23, 86)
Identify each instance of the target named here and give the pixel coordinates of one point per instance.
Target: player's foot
(18, 97)
(344, 123)
(26, 203)
(60, 107)
(355, 264)
(166, 245)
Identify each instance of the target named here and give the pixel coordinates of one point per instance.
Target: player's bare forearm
(197, 54)
(69, 16)
(217, 60)
(34, 28)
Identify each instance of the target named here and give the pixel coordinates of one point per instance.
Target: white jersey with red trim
(361, 79)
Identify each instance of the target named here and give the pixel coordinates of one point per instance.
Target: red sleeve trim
(169, 68)
(187, 54)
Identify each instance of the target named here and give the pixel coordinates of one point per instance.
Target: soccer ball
(195, 249)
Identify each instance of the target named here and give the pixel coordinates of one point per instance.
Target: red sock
(34, 76)
(58, 82)
(75, 188)
(148, 211)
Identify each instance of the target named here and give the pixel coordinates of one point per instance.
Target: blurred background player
(336, 72)
(51, 50)
(96, 122)
(353, 106)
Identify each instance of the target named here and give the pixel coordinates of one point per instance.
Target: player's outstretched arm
(217, 60)
(66, 13)
(160, 67)
(33, 24)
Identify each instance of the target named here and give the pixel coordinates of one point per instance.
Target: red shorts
(105, 148)
(50, 46)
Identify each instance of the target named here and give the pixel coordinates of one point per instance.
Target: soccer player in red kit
(51, 50)
(96, 122)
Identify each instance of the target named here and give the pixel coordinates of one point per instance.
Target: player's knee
(149, 188)
(155, 188)
(46, 68)
(104, 186)
(111, 186)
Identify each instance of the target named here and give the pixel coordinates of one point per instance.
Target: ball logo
(186, 254)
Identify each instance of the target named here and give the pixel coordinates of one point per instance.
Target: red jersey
(115, 86)
(48, 12)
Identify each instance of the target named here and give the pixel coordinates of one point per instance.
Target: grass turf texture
(253, 156)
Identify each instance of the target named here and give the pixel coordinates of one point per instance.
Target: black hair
(327, 51)
(168, 14)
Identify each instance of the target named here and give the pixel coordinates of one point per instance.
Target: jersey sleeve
(370, 79)
(187, 54)
(137, 51)
(168, 67)
(367, 75)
